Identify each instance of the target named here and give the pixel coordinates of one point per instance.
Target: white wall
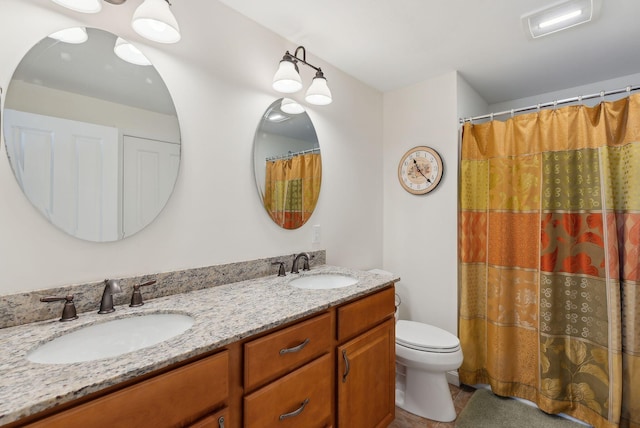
(420, 232)
(220, 78)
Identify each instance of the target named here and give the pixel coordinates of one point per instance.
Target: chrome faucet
(111, 287)
(296, 260)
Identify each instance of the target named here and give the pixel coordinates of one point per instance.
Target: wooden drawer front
(361, 315)
(175, 398)
(278, 353)
(280, 404)
(217, 420)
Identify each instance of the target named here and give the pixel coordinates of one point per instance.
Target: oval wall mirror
(287, 163)
(93, 139)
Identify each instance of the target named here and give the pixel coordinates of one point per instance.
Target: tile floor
(460, 397)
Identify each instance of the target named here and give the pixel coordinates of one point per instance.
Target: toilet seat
(425, 337)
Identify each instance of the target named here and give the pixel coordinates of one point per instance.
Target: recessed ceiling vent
(560, 16)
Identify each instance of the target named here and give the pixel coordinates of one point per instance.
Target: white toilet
(424, 354)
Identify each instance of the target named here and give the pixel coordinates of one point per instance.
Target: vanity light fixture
(153, 19)
(559, 16)
(290, 106)
(74, 35)
(84, 6)
(287, 79)
(127, 52)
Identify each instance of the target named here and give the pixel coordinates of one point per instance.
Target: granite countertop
(223, 314)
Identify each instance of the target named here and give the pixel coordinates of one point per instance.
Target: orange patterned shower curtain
(292, 187)
(549, 269)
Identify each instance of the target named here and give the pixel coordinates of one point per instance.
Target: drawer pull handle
(347, 367)
(295, 348)
(295, 412)
(221, 422)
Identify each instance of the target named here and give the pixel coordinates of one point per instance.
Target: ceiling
(389, 44)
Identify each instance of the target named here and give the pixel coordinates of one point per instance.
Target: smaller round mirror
(287, 163)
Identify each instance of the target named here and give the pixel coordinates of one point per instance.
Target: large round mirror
(287, 163)
(93, 139)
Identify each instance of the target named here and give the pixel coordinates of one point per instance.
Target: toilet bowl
(424, 354)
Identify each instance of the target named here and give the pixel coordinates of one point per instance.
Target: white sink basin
(111, 338)
(323, 282)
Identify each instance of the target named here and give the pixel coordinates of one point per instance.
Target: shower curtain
(549, 265)
(292, 187)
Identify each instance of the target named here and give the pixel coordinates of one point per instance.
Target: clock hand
(418, 168)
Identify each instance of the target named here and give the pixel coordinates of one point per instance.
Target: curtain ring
(512, 113)
(538, 108)
(491, 117)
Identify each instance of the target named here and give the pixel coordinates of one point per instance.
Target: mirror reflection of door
(150, 168)
(68, 170)
(68, 109)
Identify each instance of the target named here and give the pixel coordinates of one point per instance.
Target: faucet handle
(69, 309)
(281, 271)
(136, 297)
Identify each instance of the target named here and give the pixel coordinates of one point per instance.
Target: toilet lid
(425, 337)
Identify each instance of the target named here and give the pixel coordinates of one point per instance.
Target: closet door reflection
(77, 118)
(80, 193)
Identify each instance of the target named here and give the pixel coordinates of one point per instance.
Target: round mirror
(287, 163)
(93, 139)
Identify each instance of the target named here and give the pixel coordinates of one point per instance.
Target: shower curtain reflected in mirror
(549, 264)
(292, 187)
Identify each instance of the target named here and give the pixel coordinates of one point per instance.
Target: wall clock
(420, 170)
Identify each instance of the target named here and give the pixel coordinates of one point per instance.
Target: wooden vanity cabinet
(336, 368)
(366, 362)
(175, 398)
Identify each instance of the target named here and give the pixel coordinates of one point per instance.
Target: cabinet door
(366, 378)
(219, 419)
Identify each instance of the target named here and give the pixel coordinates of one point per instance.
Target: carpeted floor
(487, 410)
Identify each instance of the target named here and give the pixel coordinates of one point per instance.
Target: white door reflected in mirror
(93, 140)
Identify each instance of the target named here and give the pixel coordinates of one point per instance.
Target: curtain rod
(551, 104)
(292, 154)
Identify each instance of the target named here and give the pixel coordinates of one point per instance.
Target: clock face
(420, 170)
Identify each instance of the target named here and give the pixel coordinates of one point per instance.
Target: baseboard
(453, 378)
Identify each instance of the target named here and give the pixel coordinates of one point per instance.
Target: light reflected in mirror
(93, 140)
(287, 164)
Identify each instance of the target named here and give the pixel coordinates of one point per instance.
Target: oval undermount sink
(110, 339)
(323, 282)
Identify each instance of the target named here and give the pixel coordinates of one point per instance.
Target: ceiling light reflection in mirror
(287, 163)
(94, 141)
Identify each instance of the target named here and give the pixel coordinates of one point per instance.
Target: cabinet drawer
(175, 398)
(361, 315)
(300, 399)
(283, 351)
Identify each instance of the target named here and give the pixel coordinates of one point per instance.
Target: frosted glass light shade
(287, 79)
(560, 16)
(127, 52)
(84, 6)
(318, 93)
(290, 106)
(153, 20)
(75, 35)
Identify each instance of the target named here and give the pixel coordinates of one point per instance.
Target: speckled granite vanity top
(223, 314)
